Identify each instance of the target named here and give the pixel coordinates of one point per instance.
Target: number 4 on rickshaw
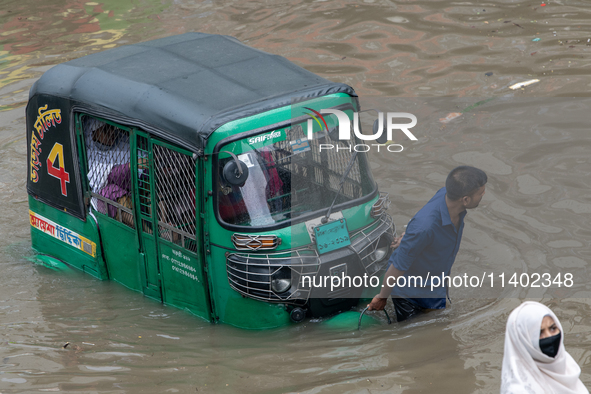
(57, 153)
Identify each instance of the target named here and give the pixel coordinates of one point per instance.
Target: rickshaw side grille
(145, 195)
(175, 188)
(109, 175)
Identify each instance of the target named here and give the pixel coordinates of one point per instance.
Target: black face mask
(549, 346)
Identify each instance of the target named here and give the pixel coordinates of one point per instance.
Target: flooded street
(449, 63)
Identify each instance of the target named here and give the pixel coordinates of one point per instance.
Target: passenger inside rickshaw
(109, 175)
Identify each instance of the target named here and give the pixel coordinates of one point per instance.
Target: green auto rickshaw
(207, 175)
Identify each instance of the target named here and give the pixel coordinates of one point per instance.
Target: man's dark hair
(463, 181)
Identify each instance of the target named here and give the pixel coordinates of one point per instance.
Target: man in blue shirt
(429, 246)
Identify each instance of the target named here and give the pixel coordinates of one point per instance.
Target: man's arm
(379, 302)
(416, 238)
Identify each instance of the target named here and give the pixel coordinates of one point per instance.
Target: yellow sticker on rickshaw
(61, 233)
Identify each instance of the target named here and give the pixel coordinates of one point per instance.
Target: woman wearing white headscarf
(535, 359)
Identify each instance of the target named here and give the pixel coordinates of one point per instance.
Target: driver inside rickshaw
(252, 202)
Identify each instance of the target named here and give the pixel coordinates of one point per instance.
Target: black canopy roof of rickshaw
(183, 87)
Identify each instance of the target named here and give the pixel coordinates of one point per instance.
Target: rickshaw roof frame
(184, 87)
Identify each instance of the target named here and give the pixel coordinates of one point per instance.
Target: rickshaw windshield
(290, 176)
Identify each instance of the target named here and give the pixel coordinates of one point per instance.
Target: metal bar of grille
(124, 214)
(326, 173)
(144, 176)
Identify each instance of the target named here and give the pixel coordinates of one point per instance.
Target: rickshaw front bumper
(302, 276)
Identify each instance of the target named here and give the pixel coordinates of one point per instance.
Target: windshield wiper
(341, 183)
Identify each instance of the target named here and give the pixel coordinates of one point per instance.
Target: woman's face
(105, 135)
(549, 328)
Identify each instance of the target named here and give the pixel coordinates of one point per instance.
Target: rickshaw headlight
(380, 253)
(281, 280)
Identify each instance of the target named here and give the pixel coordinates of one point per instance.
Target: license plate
(332, 236)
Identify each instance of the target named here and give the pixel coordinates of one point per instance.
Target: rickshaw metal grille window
(143, 176)
(175, 188)
(109, 175)
(329, 165)
(333, 165)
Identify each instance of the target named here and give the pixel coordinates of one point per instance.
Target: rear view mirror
(235, 172)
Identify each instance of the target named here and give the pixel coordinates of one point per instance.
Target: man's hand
(377, 304)
(396, 242)
(379, 301)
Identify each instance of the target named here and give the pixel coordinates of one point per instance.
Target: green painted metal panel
(52, 246)
(265, 119)
(172, 253)
(121, 251)
(183, 280)
(151, 270)
(251, 314)
(236, 310)
(145, 198)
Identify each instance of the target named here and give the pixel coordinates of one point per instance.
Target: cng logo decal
(264, 137)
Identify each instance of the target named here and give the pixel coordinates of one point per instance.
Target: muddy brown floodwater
(431, 57)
